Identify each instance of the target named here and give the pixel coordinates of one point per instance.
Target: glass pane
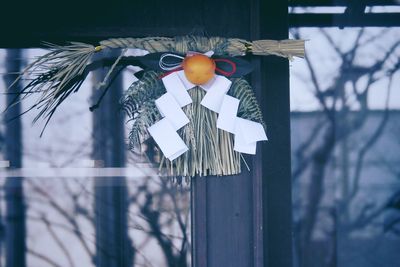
(83, 198)
(345, 147)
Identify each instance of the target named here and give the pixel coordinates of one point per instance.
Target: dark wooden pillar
(245, 220)
(275, 162)
(15, 232)
(223, 206)
(113, 246)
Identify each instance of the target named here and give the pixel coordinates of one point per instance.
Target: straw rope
(220, 45)
(62, 71)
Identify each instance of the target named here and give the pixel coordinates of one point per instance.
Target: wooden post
(275, 162)
(15, 232)
(248, 216)
(113, 246)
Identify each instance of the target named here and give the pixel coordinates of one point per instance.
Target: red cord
(170, 72)
(226, 73)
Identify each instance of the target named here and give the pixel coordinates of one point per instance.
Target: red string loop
(225, 73)
(170, 72)
(230, 62)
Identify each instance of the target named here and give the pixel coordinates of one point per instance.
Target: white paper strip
(252, 131)
(215, 94)
(171, 110)
(240, 144)
(188, 85)
(247, 133)
(227, 114)
(170, 143)
(209, 53)
(218, 81)
(175, 86)
(209, 84)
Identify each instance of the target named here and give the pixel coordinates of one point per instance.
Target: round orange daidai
(198, 68)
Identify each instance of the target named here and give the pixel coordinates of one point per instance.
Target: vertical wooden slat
(199, 222)
(229, 201)
(15, 220)
(229, 220)
(276, 166)
(113, 246)
(256, 75)
(241, 209)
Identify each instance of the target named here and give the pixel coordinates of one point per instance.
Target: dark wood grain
(275, 162)
(27, 23)
(15, 202)
(343, 20)
(257, 160)
(310, 3)
(199, 221)
(113, 244)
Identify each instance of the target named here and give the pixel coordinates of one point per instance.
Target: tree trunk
(315, 192)
(15, 231)
(113, 246)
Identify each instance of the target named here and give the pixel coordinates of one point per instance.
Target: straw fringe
(210, 149)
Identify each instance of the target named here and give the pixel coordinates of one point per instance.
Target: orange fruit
(198, 69)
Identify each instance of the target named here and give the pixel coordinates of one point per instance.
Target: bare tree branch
(43, 258)
(304, 160)
(64, 213)
(369, 144)
(58, 240)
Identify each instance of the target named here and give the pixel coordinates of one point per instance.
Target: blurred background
(345, 128)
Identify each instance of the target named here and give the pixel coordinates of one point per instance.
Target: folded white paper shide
(216, 93)
(247, 134)
(173, 84)
(227, 114)
(170, 143)
(171, 110)
(188, 85)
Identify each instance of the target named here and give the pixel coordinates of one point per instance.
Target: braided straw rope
(62, 70)
(220, 45)
(284, 48)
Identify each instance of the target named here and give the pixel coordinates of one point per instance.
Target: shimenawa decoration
(191, 97)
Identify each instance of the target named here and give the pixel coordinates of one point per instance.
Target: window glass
(345, 117)
(86, 198)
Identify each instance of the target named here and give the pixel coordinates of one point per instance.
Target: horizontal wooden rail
(343, 20)
(315, 3)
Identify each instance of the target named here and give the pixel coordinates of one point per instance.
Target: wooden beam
(315, 3)
(36, 37)
(342, 20)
